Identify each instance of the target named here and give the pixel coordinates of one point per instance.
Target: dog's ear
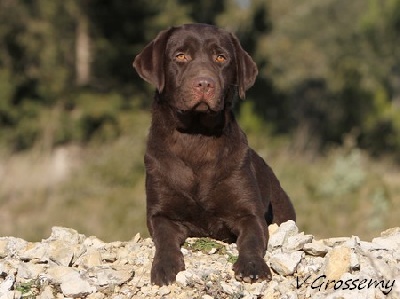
(150, 62)
(246, 68)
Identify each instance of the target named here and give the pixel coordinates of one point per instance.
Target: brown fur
(202, 179)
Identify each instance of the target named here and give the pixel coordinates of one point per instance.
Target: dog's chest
(198, 165)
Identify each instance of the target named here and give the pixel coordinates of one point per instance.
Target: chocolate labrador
(202, 178)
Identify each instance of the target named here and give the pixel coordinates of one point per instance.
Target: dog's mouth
(199, 108)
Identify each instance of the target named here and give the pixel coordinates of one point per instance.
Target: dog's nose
(204, 84)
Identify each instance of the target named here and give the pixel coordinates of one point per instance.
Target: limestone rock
(3, 247)
(68, 235)
(388, 242)
(298, 241)
(103, 275)
(285, 263)
(10, 246)
(338, 262)
(316, 248)
(35, 252)
(279, 237)
(70, 265)
(71, 282)
(7, 284)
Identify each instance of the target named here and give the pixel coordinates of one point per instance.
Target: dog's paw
(251, 270)
(163, 271)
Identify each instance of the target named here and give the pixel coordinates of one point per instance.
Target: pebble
(71, 265)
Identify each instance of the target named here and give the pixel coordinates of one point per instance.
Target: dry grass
(99, 189)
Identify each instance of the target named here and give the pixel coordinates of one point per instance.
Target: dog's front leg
(168, 260)
(252, 241)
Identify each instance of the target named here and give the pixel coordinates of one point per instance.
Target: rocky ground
(71, 265)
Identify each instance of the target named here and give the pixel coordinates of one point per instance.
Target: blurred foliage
(326, 68)
(338, 63)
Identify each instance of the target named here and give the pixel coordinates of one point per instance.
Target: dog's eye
(181, 57)
(220, 58)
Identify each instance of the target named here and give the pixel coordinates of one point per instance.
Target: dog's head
(197, 67)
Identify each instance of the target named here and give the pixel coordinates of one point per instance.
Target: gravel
(71, 265)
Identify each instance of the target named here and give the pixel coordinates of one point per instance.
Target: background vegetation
(324, 112)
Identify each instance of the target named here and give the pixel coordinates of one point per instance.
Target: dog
(202, 178)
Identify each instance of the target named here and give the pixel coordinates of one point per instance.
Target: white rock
(47, 293)
(109, 255)
(96, 296)
(103, 275)
(276, 240)
(353, 242)
(316, 248)
(395, 231)
(212, 251)
(182, 278)
(55, 274)
(368, 246)
(332, 242)
(390, 242)
(94, 243)
(96, 270)
(289, 295)
(136, 238)
(73, 285)
(29, 271)
(68, 235)
(256, 289)
(92, 258)
(227, 288)
(285, 263)
(280, 236)
(272, 228)
(309, 265)
(185, 251)
(338, 262)
(9, 295)
(12, 246)
(354, 261)
(270, 290)
(3, 248)
(8, 267)
(60, 252)
(164, 290)
(7, 284)
(396, 255)
(37, 252)
(290, 227)
(297, 242)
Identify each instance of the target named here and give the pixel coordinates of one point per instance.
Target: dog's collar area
(198, 122)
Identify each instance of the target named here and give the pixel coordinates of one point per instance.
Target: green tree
(36, 58)
(351, 48)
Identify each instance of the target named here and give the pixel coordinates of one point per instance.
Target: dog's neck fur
(213, 124)
(185, 135)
